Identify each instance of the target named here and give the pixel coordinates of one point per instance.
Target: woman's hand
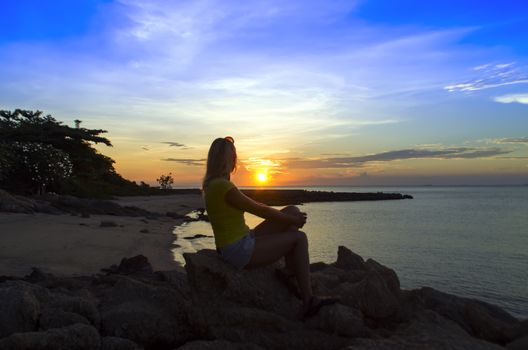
(299, 219)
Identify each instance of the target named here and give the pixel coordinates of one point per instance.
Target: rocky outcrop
(295, 197)
(211, 305)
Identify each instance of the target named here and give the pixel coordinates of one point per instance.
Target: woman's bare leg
(270, 248)
(272, 227)
(269, 227)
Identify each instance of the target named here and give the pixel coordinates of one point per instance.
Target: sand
(68, 245)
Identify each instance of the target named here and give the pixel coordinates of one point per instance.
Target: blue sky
(440, 87)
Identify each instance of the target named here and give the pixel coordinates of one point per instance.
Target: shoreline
(74, 245)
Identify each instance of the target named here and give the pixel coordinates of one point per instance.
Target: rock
(389, 275)
(478, 318)
(57, 318)
(85, 307)
(212, 280)
(218, 345)
(211, 304)
(144, 230)
(116, 343)
(517, 330)
(427, 331)
(347, 260)
(252, 306)
(271, 331)
(153, 315)
(15, 204)
(371, 295)
(135, 264)
(78, 337)
(340, 319)
(198, 235)
(518, 344)
(19, 308)
(106, 223)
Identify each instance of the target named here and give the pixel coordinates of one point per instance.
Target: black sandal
(288, 281)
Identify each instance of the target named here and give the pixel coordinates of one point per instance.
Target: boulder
(57, 318)
(150, 313)
(77, 336)
(253, 306)
(116, 343)
(371, 295)
(427, 331)
(388, 275)
(347, 260)
(518, 344)
(135, 264)
(19, 308)
(341, 320)
(83, 306)
(266, 329)
(218, 345)
(214, 281)
(480, 319)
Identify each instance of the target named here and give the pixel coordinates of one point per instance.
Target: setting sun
(262, 177)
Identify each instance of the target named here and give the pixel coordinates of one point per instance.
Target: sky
(313, 92)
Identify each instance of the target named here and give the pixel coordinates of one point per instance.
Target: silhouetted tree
(165, 181)
(93, 174)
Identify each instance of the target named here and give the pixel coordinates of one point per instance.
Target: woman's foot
(310, 308)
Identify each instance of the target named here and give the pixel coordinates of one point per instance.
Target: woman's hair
(221, 160)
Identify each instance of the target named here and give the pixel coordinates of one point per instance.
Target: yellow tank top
(228, 222)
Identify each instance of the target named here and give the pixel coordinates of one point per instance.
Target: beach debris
(198, 235)
(107, 223)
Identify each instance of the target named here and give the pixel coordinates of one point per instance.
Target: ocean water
(468, 241)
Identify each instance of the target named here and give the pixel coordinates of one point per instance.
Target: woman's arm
(239, 200)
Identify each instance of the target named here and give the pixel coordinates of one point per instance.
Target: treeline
(39, 154)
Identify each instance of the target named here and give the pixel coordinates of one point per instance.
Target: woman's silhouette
(276, 237)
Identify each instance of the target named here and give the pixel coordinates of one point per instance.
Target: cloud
(347, 162)
(512, 98)
(491, 76)
(174, 144)
(187, 161)
(522, 140)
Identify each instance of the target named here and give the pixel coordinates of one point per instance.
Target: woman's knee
(290, 209)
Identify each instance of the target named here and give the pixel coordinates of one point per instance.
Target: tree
(165, 181)
(39, 167)
(93, 174)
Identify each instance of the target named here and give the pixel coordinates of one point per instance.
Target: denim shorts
(239, 252)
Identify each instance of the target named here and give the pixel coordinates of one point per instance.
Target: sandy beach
(72, 245)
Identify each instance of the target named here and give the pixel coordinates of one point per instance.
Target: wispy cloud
(491, 76)
(512, 98)
(186, 161)
(174, 144)
(515, 140)
(347, 162)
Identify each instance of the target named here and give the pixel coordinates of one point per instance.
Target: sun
(262, 177)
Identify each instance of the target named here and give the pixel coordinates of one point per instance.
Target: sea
(470, 241)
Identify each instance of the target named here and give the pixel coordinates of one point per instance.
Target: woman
(276, 237)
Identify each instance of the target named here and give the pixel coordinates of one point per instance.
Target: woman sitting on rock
(276, 237)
